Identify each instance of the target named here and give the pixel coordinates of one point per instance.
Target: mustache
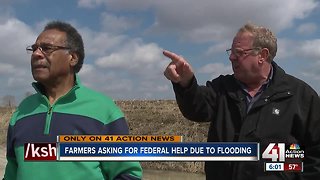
(40, 63)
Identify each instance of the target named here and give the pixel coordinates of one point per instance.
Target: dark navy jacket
(223, 103)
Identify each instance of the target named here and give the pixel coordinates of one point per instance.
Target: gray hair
(262, 37)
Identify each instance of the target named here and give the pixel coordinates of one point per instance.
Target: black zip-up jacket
(288, 111)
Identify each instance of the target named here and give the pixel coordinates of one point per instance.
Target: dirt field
(158, 117)
(2, 160)
(163, 117)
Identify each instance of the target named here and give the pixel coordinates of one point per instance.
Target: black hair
(74, 40)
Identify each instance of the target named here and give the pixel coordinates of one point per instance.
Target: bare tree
(9, 101)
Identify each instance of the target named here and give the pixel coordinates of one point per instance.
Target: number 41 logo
(274, 152)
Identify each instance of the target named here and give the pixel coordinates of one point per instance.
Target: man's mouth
(39, 66)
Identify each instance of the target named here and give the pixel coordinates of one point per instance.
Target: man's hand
(179, 70)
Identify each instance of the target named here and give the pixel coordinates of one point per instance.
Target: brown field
(5, 115)
(149, 117)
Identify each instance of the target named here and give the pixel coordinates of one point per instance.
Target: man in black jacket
(258, 103)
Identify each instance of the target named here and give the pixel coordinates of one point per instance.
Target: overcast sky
(124, 40)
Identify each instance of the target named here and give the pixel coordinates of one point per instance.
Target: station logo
(279, 152)
(294, 152)
(283, 158)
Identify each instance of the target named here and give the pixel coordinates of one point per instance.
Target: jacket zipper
(50, 111)
(48, 120)
(48, 116)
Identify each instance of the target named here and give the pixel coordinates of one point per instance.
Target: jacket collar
(40, 88)
(279, 84)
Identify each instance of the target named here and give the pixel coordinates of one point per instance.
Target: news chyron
(40, 151)
(138, 148)
(282, 157)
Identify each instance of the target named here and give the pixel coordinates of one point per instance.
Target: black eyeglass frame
(45, 48)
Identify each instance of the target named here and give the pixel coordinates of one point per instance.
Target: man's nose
(38, 50)
(232, 57)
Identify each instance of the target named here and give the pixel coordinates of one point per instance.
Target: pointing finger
(178, 60)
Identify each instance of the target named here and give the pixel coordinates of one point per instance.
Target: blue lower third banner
(158, 151)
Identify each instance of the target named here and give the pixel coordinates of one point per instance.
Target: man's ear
(264, 54)
(73, 59)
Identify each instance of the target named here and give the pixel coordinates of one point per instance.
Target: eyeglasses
(44, 48)
(239, 52)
